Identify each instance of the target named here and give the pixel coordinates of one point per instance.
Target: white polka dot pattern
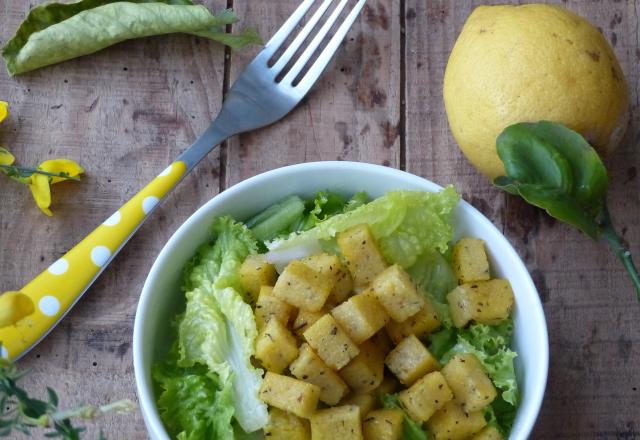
(59, 267)
(114, 219)
(49, 305)
(100, 255)
(148, 203)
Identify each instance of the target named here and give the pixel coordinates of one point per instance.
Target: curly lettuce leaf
(411, 430)
(218, 328)
(194, 404)
(490, 344)
(55, 32)
(406, 224)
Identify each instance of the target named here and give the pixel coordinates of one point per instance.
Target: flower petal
(14, 306)
(41, 192)
(4, 110)
(6, 158)
(58, 166)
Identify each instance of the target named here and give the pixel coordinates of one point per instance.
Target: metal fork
(258, 98)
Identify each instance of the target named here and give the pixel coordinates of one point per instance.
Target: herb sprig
(21, 413)
(555, 168)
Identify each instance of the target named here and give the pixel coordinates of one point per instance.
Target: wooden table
(125, 112)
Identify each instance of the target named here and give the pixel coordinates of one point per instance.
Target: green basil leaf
(554, 168)
(56, 32)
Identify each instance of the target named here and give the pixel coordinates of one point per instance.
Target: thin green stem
(613, 239)
(28, 171)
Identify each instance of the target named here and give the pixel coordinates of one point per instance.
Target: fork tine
(283, 32)
(320, 64)
(304, 33)
(308, 52)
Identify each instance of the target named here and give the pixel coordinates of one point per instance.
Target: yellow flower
(14, 306)
(39, 183)
(4, 110)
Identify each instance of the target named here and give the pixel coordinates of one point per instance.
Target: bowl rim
(144, 389)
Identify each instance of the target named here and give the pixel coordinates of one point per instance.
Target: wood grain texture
(589, 303)
(125, 112)
(352, 113)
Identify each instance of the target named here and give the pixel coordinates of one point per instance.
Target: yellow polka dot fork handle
(59, 287)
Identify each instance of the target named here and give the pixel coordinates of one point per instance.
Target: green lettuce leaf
(501, 415)
(435, 278)
(406, 224)
(490, 344)
(218, 328)
(55, 32)
(411, 430)
(193, 403)
(278, 219)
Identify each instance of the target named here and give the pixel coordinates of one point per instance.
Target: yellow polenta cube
(306, 319)
(276, 347)
(452, 423)
(426, 396)
(269, 306)
(310, 368)
(256, 272)
(470, 262)
(361, 316)
(286, 426)
(410, 360)
(382, 341)
(470, 384)
(331, 266)
(365, 371)
(303, 287)
(420, 324)
(397, 293)
(485, 302)
(488, 433)
(366, 402)
(389, 385)
(339, 422)
(383, 424)
(331, 342)
(360, 249)
(289, 394)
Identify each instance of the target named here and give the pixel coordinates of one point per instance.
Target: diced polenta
(365, 372)
(339, 422)
(268, 306)
(383, 424)
(452, 423)
(276, 347)
(306, 319)
(470, 261)
(485, 302)
(331, 266)
(426, 396)
(389, 385)
(286, 426)
(468, 381)
(303, 287)
(382, 341)
(289, 394)
(488, 433)
(331, 342)
(420, 324)
(256, 272)
(309, 367)
(366, 402)
(361, 316)
(364, 259)
(397, 293)
(410, 360)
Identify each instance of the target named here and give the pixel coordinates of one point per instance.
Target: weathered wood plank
(589, 303)
(352, 114)
(124, 114)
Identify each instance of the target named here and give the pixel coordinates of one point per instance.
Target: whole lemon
(528, 63)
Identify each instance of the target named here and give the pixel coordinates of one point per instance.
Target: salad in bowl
(338, 315)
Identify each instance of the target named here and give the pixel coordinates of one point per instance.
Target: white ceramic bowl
(161, 294)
